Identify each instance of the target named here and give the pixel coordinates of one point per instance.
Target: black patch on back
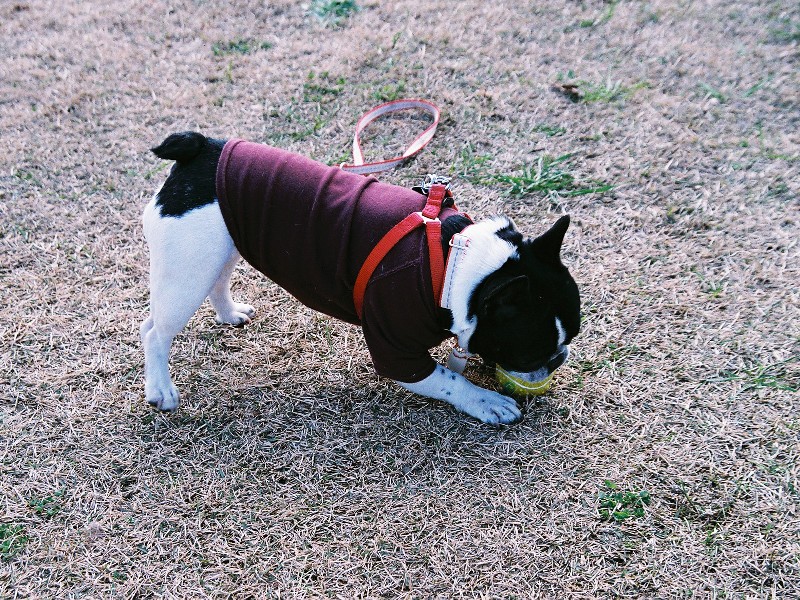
(192, 183)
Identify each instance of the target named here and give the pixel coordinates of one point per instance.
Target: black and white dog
(510, 298)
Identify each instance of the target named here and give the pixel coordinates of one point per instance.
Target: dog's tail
(181, 147)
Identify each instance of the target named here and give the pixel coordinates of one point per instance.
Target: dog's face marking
(529, 309)
(488, 251)
(562, 334)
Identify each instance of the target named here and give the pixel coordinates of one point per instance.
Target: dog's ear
(504, 296)
(548, 245)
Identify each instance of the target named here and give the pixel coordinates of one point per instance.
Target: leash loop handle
(365, 168)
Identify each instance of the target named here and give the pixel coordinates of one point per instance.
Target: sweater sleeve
(396, 326)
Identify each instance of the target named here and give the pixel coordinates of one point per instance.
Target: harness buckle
(425, 219)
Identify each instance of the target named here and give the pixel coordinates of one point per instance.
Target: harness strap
(428, 216)
(433, 228)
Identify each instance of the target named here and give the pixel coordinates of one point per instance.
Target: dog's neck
(450, 227)
(487, 252)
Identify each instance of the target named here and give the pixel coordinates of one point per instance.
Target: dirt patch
(663, 462)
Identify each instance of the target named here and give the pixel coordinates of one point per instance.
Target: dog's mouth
(538, 370)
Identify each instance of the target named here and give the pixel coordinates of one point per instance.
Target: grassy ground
(664, 461)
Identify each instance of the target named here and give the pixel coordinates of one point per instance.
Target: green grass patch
(786, 32)
(712, 92)
(619, 505)
(756, 88)
(650, 17)
(582, 90)
(772, 155)
(12, 539)
(713, 288)
(294, 123)
(604, 18)
(333, 12)
(310, 128)
(48, 506)
(778, 189)
(156, 170)
(549, 130)
(26, 176)
(761, 376)
(613, 359)
(389, 91)
(609, 91)
(323, 88)
(473, 167)
(713, 540)
(240, 46)
(549, 175)
(767, 151)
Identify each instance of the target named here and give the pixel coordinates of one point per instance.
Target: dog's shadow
(375, 434)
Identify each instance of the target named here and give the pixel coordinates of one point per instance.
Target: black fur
(510, 234)
(181, 147)
(192, 180)
(517, 305)
(450, 227)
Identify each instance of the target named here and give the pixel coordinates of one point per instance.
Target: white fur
(562, 337)
(486, 254)
(562, 334)
(455, 389)
(191, 258)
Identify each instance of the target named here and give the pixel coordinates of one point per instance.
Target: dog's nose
(558, 359)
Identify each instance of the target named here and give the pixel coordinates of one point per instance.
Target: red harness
(428, 216)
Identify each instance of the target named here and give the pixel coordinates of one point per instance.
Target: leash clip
(432, 179)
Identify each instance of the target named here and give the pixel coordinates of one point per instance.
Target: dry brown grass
(290, 470)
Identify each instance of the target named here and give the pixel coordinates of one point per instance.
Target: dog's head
(528, 310)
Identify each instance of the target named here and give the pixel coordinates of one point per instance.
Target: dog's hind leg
(188, 255)
(229, 311)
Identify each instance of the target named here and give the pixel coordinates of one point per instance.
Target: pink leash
(362, 168)
(458, 358)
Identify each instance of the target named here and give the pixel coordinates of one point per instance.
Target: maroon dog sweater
(309, 228)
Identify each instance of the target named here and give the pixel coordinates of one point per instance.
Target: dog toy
(517, 386)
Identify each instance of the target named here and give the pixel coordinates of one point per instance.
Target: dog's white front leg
(485, 405)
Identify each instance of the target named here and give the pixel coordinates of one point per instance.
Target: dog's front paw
(237, 315)
(492, 408)
(162, 397)
(485, 405)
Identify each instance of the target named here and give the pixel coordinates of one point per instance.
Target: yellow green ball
(517, 386)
